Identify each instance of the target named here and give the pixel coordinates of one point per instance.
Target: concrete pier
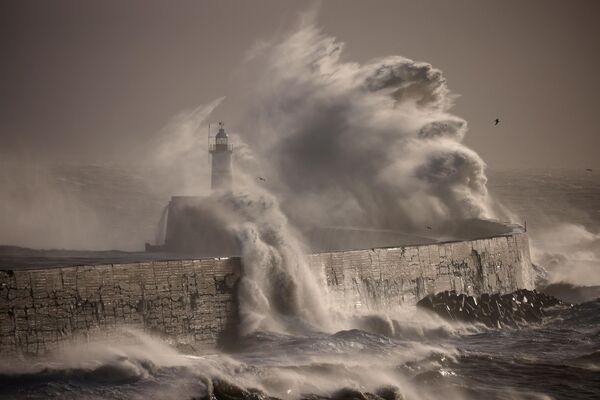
(193, 301)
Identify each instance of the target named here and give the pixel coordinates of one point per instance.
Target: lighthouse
(221, 150)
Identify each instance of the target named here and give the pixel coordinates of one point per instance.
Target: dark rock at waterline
(494, 310)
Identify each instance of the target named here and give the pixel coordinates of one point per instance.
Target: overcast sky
(93, 79)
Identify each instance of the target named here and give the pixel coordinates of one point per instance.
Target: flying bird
(496, 121)
(589, 169)
(429, 227)
(260, 178)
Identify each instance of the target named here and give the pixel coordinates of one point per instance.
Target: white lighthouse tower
(221, 150)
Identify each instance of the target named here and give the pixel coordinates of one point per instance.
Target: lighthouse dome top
(221, 134)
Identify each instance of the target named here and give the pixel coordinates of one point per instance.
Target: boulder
(495, 310)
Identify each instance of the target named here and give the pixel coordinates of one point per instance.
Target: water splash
(348, 144)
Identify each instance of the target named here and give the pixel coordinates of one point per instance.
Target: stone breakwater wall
(194, 301)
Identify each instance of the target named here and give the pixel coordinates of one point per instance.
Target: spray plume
(361, 145)
(342, 144)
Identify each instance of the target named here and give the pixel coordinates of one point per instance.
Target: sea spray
(278, 289)
(341, 144)
(569, 253)
(349, 144)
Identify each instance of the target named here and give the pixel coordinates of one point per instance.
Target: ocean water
(425, 359)
(410, 355)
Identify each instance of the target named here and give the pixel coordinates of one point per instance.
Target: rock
(513, 309)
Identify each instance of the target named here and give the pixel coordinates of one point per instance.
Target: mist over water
(562, 209)
(81, 207)
(570, 253)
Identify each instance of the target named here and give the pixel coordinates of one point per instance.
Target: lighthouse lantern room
(220, 150)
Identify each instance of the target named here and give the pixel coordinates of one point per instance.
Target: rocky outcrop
(494, 310)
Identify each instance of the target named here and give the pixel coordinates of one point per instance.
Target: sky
(92, 80)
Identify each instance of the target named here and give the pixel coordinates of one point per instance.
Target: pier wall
(193, 301)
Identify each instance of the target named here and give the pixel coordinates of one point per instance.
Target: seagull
(496, 121)
(260, 178)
